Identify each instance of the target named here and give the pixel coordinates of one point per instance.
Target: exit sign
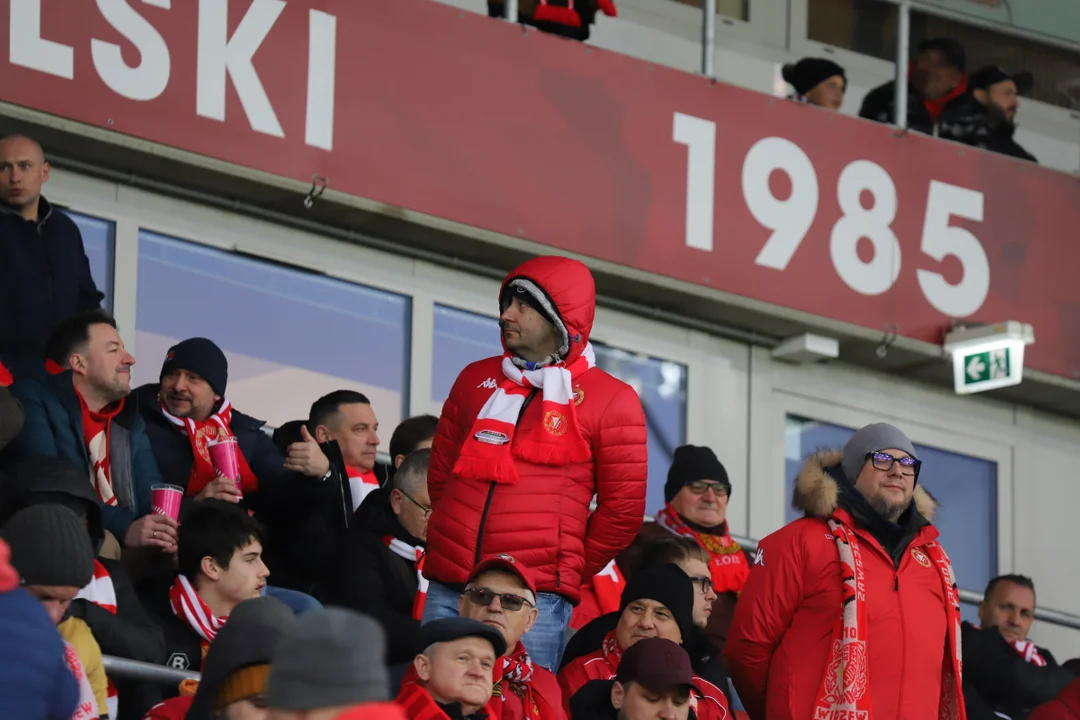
(987, 369)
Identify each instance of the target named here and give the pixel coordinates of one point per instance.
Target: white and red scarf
(361, 484)
(413, 554)
(727, 562)
(200, 434)
(87, 708)
(192, 609)
(608, 586)
(102, 593)
(514, 679)
(97, 430)
(845, 688)
(1025, 649)
(564, 13)
(488, 453)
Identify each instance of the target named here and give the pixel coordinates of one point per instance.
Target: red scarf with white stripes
(564, 12)
(361, 484)
(727, 562)
(415, 555)
(97, 429)
(200, 434)
(87, 708)
(608, 586)
(489, 451)
(102, 593)
(190, 607)
(1025, 649)
(514, 680)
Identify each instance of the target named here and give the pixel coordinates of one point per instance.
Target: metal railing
(146, 672)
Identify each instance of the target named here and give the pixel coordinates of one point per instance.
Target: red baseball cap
(509, 564)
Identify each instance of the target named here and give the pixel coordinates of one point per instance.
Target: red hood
(572, 290)
(9, 579)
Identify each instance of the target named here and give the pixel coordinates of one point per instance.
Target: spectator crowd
(498, 566)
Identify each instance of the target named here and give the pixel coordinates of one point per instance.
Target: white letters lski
(149, 78)
(28, 49)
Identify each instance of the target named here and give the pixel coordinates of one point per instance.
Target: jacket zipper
(903, 638)
(491, 490)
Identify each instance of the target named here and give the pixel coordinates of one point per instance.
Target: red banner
(419, 105)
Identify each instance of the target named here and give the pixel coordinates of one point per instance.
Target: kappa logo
(492, 437)
(178, 661)
(490, 384)
(555, 423)
(920, 557)
(759, 557)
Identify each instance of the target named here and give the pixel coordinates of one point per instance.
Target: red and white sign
(419, 105)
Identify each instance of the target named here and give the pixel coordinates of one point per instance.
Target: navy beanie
(690, 464)
(202, 357)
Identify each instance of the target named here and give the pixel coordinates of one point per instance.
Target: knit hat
(668, 585)
(987, 77)
(535, 297)
(692, 463)
(808, 73)
(49, 546)
(329, 658)
(200, 356)
(872, 438)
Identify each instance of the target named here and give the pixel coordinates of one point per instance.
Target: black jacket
(183, 646)
(44, 278)
(963, 119)
(1000, 140)
(371, 579)
(1003, 679)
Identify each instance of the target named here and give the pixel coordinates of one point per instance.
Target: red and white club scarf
(102, 593)
(512, 680)
(845, 688)
(488, 453)
(200, 435)
(361, 484)
(87, 708)
(413, 554)
(189, 607)
(608, 586)
(727, 562)
(1026, 649)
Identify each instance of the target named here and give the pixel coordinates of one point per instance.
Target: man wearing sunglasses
(857, 589)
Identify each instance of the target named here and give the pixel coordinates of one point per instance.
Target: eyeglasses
(483, 597)
(705, 583)
(422, 506)
(700, 487)
(884, 462)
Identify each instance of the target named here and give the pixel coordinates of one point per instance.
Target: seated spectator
(455, 672)
(108, 604)
(82, 414)
(44, 274)
(36, 681)
(347, 418)
(236, 668)
(382, 557)
(330, 666)
(654, 682)
(1066, 706)
(52, 553)
(11, 413)
(999, 92)
(1009, 672)
(415, 433)
(938, 101)
(220, 565)
(817, 81)
(658, 602)
(566, 18)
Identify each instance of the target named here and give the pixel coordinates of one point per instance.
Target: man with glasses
(857, 589)
(380, 569)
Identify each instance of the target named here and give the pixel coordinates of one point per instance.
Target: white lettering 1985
(790, 219)
(218, 57)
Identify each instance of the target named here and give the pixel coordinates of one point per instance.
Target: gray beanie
(872, 438)
(50, 546)
(329, 658)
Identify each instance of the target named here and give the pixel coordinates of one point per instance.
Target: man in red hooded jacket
(525, 442)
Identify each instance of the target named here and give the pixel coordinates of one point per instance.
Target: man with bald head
(44, 272)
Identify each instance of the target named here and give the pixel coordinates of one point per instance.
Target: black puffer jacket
(1000, 140)
(963, 119)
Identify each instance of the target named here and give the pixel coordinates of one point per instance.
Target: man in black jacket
(109, 604)
(44, 273)
(379, 569)
(999, 92)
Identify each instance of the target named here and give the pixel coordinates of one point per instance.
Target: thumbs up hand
(306, 457)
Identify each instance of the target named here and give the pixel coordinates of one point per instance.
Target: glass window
(965, 488)
(738, 9)
(99, 240)
(463, 337)
(291, 336)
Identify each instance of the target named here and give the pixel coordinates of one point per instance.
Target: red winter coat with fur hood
(782, 633)
(542, 519)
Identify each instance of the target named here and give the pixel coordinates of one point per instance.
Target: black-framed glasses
(705, 583)
(483, 597)
(884, 461)
(700, 487)
(414, 501)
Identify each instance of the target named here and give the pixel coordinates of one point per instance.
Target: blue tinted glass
(291, 336)
(965, 488)
(99, 239)
(460, 338)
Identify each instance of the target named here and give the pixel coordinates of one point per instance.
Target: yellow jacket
(78, 634)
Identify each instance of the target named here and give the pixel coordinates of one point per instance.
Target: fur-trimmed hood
(817, 490)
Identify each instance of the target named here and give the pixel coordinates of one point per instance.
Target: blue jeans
(545, 642)
(295, 600)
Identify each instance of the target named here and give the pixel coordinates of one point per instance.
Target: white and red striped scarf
(189, 607)
(200, 434)
(87, 708)
(845, 687)
(102, 593)
(488, 453)
(1025, 649)
(413, 554)
(361, 484)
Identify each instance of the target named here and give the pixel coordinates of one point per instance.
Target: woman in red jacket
(525, 441)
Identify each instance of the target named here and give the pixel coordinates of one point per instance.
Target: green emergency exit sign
(981, 370)
(984, 366)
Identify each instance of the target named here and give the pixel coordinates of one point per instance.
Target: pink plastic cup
(165, 500)
(224, 456)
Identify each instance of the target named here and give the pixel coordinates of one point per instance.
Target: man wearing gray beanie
(858, 588)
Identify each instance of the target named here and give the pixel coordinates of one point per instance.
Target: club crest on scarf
(846, 679)
(555, 423)
(206, 435)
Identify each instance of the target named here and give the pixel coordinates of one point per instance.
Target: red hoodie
(1066, 706)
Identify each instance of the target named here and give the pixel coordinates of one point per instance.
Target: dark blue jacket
(53, 427)
(44, 278)
(34, 679)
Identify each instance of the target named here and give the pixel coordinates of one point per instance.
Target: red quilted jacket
(542, 519)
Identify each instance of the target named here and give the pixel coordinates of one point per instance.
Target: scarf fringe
(607, 7)
(498, 471)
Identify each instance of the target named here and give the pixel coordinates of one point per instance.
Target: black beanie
(808, 73)
(691, 463)
(49, 546)
(200, 356)
(668, 585)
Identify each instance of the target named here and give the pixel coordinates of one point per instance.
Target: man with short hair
(380, 568)
(347, 418)
(415, 433)
(864, 561)
(999, 93)
(44, 273)
(654, 682)
(83, 414)
(454, 673)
